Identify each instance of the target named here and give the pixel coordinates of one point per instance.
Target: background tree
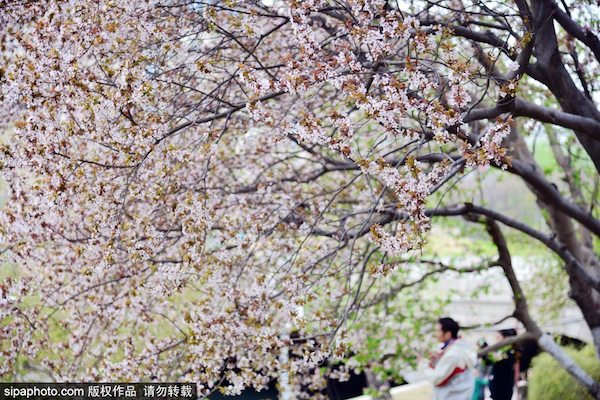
(188, 181)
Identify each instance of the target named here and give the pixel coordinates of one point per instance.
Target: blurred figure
(482, 370)
(450, 367)
(504, 368)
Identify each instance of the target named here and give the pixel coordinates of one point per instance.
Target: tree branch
(551, 195)
(522, 108)
(505, 342)
(548, 240)
(574, 29)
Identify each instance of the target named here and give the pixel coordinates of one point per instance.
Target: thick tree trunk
(586, 297)
(551, 71)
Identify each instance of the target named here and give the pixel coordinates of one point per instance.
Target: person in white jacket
(451, 367)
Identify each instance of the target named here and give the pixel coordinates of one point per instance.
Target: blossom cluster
(184, 179)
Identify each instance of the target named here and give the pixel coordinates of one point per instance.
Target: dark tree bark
(550, 70)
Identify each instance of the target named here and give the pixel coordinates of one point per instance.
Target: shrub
(549, 381)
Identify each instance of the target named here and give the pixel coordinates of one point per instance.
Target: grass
(549, 381)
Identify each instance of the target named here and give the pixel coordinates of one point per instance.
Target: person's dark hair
(507, 332)
(449, 325)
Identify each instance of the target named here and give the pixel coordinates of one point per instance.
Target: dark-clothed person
(503, 370)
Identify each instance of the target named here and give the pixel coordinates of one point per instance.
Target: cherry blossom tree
(190, 181)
